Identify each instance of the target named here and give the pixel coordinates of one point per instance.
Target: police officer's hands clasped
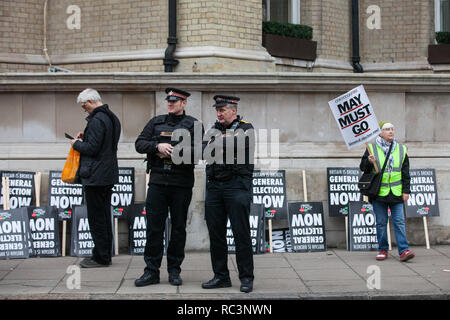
(165, 150)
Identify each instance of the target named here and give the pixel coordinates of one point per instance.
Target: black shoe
(246, 286)
(215, 283)
(146, 279)
(91, 263)
(175, 279)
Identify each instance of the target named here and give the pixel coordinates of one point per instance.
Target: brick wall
(227, 23)
(405, 31)
(21, 26)
(108, 25)
(128, 25)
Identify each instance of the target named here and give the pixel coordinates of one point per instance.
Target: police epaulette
(244, 121)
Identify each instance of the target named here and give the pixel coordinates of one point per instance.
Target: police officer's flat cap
(174, 94)
(222, 100)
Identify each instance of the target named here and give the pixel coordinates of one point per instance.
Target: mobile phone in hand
(68, 136)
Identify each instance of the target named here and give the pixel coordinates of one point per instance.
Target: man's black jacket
(98, 150)
(159, 130)
(242, 155)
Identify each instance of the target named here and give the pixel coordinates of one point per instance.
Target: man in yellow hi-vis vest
(394, 190)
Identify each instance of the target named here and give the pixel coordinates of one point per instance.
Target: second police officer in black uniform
(228, 193)
(170, 187)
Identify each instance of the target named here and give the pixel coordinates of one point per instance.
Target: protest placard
(63, 196)
(137, 225)
(44, 230)
(14, 233)
(362, 231)
(355, 117)
(423, 199)
(256, 220)
(81, 243)
(306, 226)
(21, 188)
(269, 189)
(342, 189)
(281, 240)
(123, 192)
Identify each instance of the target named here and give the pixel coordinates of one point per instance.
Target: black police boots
(146, 279)
(215, 283)
(246, 285)
(175, 279)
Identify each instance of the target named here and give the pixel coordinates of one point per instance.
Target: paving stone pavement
(334, 274)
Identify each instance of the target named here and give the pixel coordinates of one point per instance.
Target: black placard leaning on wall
(137, 229)
(81, 242)
(281, 240)
(64, 196)
(123, 192)
(269, 189)
(21, 188)
(423, 199)
(14, 233)
(342, 189)
(45, 240)
(307, 226)
(256, 219)
(362, 231)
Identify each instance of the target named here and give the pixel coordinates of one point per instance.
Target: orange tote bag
(71, 166)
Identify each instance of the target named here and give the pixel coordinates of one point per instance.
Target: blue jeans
(381, 213)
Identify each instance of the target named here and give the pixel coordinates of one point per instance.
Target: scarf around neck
(384, 145)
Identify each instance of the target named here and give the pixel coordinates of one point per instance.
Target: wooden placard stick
(305, 193)
(425, 227)
(6, 195)
(370, 153)
(63, 240)
(116, 236)
(389, 234)
(37, 188)
(270, 235)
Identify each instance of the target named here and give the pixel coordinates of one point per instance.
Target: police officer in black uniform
(170, 186)
(228, 193)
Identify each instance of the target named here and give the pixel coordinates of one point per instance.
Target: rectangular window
(445, 15)
(281, 10)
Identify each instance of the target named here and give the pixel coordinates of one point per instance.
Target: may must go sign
(355, 117)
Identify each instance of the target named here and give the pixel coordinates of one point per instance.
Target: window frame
(437, 16)
(294, 11)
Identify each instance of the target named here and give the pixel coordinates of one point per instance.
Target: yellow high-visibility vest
(392, 181)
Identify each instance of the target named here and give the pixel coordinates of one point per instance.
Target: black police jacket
(241, 163)
(159, 130)
(98, 150)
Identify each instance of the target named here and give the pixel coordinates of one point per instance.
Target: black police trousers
(159, 200)
(230, 199)
(98, 203)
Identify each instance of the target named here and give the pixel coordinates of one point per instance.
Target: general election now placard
(44, 230)
(423, 200)
(342, 189)
(64, 196)
(123, 192)
(281, 240)
(362, 231)
(14, 233)
(21, 188)
(81, 243)
(355, 117)
(306, 225)
(256, 220)
(137, 226)
(269, 189)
